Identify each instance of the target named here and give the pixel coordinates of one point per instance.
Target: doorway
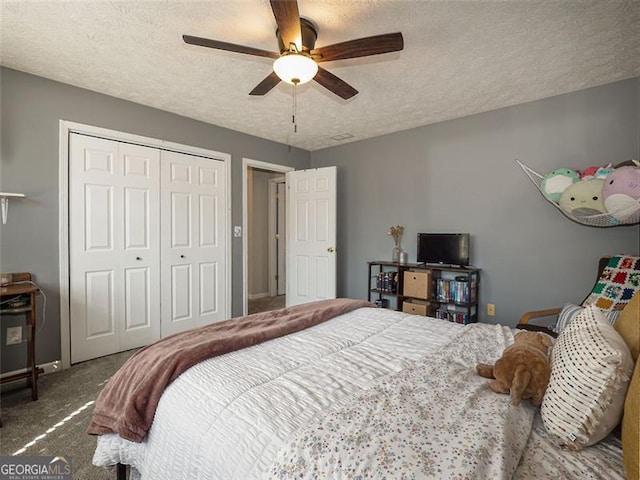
(264, 241)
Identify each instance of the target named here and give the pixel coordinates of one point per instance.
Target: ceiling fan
(298, 59)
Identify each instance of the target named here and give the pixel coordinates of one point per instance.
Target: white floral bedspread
(435, 419)
(542, 460)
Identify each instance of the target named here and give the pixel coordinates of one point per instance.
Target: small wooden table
(21, 286)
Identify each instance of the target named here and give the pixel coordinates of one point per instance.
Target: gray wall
(453, 176)
(30, 110)
(461, 176)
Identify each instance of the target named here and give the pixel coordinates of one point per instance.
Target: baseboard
(256, 296)
(49, 367)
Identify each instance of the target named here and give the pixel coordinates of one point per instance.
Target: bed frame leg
(121, 471)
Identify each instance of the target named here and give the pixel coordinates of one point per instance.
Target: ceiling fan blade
(266, 85)
(335, 84)
(361, 47)
(230, 47)
(288, 20)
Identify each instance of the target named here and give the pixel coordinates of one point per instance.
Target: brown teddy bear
(523, 370)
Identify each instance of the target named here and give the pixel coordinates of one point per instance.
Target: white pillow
(590, 370)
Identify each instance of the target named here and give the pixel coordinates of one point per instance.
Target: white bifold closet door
(114, 246)
(147, 244)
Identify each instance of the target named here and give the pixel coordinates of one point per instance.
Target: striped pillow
(590, 370)
(568, 313)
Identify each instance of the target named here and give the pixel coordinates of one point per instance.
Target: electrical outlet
(491, 309)
(237, 231)
(14, 335)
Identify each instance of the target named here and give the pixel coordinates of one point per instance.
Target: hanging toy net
(625, 216)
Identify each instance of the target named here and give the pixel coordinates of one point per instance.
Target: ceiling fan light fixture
(295, 68)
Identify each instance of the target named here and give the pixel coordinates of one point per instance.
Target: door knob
(181, 256)
(138, 258)
(330, 250)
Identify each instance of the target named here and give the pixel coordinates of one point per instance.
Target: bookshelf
(445, 292)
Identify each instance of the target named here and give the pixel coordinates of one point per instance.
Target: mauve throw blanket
(127, 404)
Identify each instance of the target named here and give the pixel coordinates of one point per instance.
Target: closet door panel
(181, 297)
(137, 221)
(180, 224)
(211, 193)
(98, 210)
(209, 221)
(193, 204)
(140, 167)
(113, 211)
(208, 289)
(93, 251)
(100, 321)
(137, 312)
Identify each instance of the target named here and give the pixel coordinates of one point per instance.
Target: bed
(371, 393)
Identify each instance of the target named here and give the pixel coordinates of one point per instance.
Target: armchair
(549, 312)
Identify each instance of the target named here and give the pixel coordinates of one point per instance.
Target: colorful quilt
(619, 280)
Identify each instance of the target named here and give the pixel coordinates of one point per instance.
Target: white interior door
(311, 235)
(193, 242)
(114, 247)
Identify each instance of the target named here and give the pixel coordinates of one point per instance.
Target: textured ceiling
(460, 58)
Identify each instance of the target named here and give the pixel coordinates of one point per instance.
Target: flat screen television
(444, 248)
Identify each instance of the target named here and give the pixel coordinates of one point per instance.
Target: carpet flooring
(56, 423)
(266, 303)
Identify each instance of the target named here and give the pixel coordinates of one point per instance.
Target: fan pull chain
(295, 107)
